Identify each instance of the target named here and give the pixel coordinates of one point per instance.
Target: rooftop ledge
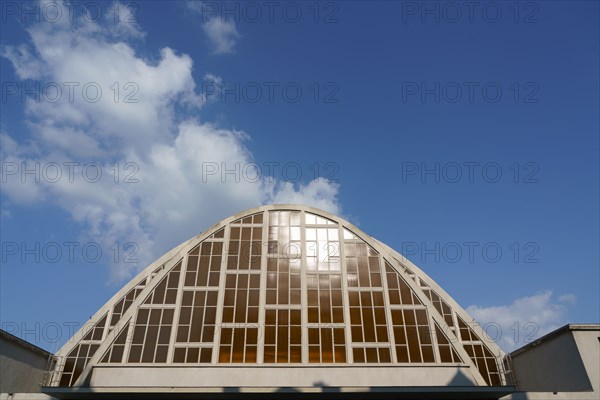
(315, 392)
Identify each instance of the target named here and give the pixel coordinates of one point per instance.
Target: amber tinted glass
(273, 288)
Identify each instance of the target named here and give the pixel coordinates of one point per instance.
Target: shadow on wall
(460, 379)
(286, 389)
(326, 388)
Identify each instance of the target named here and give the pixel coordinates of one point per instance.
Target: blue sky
(465, 138)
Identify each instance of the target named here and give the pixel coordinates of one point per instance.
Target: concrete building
(564, 364)
(23, 366)
(289, 299)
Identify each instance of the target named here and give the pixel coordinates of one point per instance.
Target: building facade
(281, 299)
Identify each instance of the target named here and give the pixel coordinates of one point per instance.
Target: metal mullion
(388, 309)
(345, 297)
(407, 307)
(128, 340)
(147, 324)
(106, 325)
(178, 299)
(157, 306)
(376, 345)
(200, 288)
(283, 307)
(326, 325)
(221, 296)
(419, 334)
(262, 289)
(303, 290)
(434, 339)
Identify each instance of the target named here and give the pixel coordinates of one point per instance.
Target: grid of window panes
(239, 329)
(371, 354)
(192, 355)
(325, 306)
(284, 234)
(204, 265)
(115, 352)
(368, 325)
(326, 344)
(283, 259)
(410, 322)
(480, 354)
(197, 317)
(439, 304)
(245, 246)
(367, 316)
(250, 219)
(477, 351)
(399, 291)
(323, 277)
(198, 309)
(412, 335)
(283, 336)
(324, 295)
(322, 248)
(447, 352)
(151, 334)
(238, 344)
(152, 325)
(242, 293)
(76, 361)
(123, 304)
(379, 332)
(362, 265)
(166, 291)
(79, 356)
(283, 328)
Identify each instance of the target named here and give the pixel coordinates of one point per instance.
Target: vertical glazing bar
(263, 290)
(346, 300)
(304, 296)
(221, 297)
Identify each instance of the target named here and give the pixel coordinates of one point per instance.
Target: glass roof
(281, 286)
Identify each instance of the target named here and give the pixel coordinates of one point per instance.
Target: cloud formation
(526, 319)
(221, 34)
(142, 133)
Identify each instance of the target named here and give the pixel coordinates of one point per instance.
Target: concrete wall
(588, 343)
(22, 366)
(281, 376)
(554, 365)
(565, 365)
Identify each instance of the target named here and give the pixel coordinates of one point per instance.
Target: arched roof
(281, 286)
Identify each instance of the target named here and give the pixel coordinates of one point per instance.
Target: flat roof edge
(24, 343)
(358, 392)
(556, 332)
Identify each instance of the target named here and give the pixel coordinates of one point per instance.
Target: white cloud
(220, 31)
(319, 193)
(523, 321)
(165, 148)
(123, 21)
(221, 34)
(569, 299)
(26, 65)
